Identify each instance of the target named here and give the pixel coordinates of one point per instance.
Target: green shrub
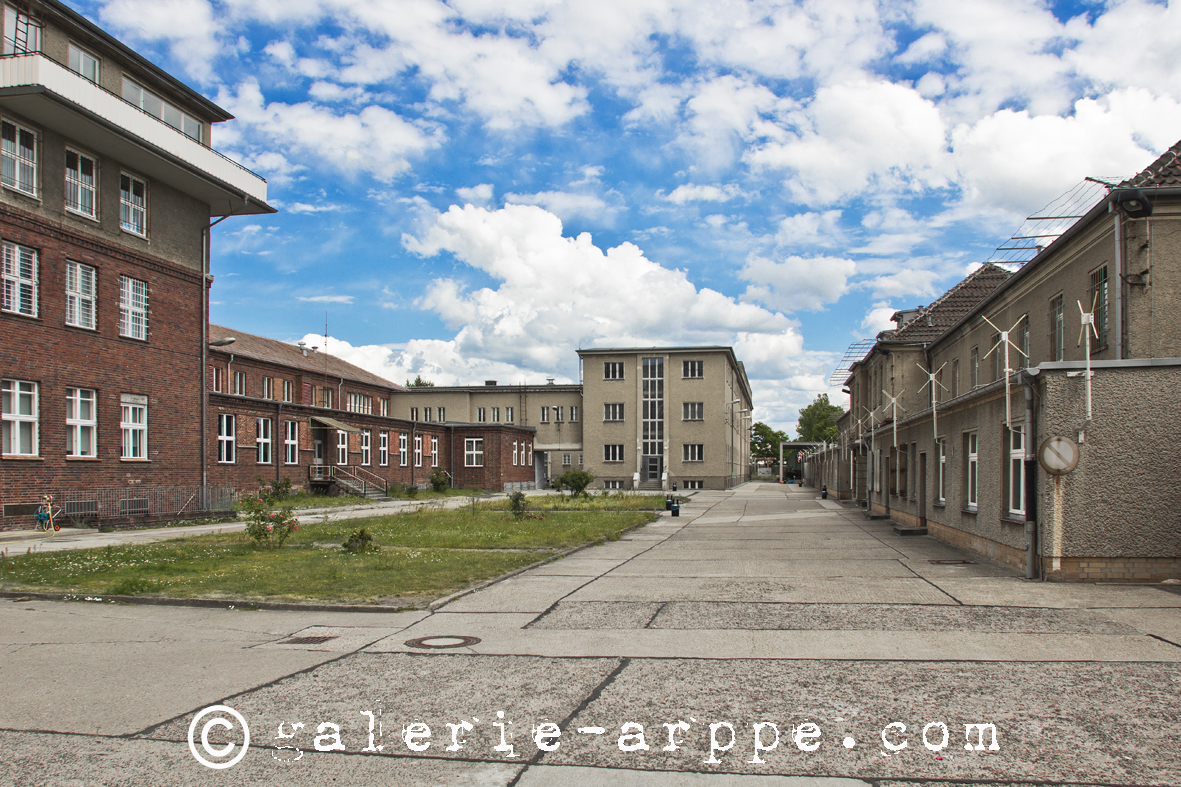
(516, 504)
(576, 481)
(439, 480)
(411, 490)
(268, 528)
(271, 492)
(361, 541)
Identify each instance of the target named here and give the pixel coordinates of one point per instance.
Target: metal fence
(153, 501)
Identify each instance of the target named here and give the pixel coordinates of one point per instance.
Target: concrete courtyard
(764, 637)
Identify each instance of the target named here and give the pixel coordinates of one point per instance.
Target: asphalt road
(765, 637)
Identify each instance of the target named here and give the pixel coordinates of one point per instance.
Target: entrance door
(318, 451)
(655, 466)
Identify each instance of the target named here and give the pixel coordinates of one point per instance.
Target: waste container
(676, 509)
(824, 493)
(668, 504)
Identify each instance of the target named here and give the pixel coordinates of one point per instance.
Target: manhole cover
(306, 640)
(953, 562)
(440, 642)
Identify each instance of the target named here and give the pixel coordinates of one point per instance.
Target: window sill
(972, 511)
(141, 235)
(1013, 519)
(21, 458)
(21, 314)
(20, 192)
(77, 214)
(83, 459)
(87, 328)
(939, 505)
(135, 461)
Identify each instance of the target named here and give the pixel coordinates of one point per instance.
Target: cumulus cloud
(810, 229)
(567, 205)
(796, 283)
(689, 192)
(325, 298)
(190, 28)
(878, 319)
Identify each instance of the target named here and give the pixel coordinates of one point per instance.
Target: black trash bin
(676, 509)
(824, 493)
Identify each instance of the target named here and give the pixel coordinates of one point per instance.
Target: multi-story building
(283, 411)
(1050, 439)
(108, 185)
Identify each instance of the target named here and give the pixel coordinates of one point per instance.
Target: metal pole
(1031, 571)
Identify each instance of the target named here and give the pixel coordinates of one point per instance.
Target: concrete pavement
(760, 615)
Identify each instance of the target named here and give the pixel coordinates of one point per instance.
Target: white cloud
(810, 229)
(189, 27)
(325, 298)
(796, 283)
(476, 195)
(688, 192)
(566, 205)
(878, 319)
(907, 282)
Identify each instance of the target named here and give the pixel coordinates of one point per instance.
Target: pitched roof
(1165, 171)
(931, 322)
(260, 348)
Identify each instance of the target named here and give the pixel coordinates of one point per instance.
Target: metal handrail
(357, 474)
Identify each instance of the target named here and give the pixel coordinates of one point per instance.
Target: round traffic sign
(1058, 455)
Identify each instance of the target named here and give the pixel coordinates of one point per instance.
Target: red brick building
(108, 185)
(279, 411)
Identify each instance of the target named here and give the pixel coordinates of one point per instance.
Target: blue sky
(472, 190)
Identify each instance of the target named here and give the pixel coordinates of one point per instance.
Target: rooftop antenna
(1004, 340)
(1088, 321)
(895, 407)
(931, 381)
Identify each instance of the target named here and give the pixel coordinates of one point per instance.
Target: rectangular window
(522, 452)
(442, 414)
(693, 369)
(80, 310)
(565, 460)
(366, 447)
(904, 471)
(573, 413)
(1056, 328)
(693, 485)
(342, 448)
(529, 452)
(20, 418)
(481, 415)
(262, 440)
(495, 415)
(418, 450)
(20, 280)
(403, 450)
(288, 390)
(134, 424)
(226, 438)
(328, 396)
(693, 452)
(616, 485)
(240, 383)
(1097, 305)
(159, 108)
(133, 204)
(544, 414)
(80, 184)
(473, 452)
(936, 394)
(974, 368)
(426, 414)
(941, 486)
(268, 388)
(81, 422)
(693, 411)
(998, 357)
(133, 308)
(18, 158)
(613, 453)
(22, 34)
(219, 379)
(508, 415)
(434, 450)
(972, 458)
(413, 413)
(1017, 472)
(558, 412)
(613, 370)
(1023, 333)
(383, 449)
(291, 443)
(515, 453)
(955, 378)
(385, 407)
(580, 460)
(613, 412)
(83, 63)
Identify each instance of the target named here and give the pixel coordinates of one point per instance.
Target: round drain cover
(442, 641)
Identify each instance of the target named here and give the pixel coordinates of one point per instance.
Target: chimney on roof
(549, 381)
(489, 382)
(903, 316)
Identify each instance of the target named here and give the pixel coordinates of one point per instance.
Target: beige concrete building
(641, 418)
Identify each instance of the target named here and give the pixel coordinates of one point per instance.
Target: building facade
(108, 185)
(1042, 448)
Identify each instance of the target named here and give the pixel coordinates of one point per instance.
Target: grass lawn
(593, 502)
(424, 555)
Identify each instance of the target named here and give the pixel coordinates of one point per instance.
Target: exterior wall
(56, 356)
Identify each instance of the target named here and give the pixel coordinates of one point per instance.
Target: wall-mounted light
(223, 342)
(1133, 203)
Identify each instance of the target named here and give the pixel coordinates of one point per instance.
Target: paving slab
(521, 593)
(847, 590)
(759, 564)
(1015, 592)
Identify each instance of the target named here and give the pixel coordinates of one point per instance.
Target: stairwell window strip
(133, 308)
(20, 416)
(18, 158)
(133, 205)
(434, 451)
(134, 426)
(80, 310)
(473, 452)
(20, 280)
(262, 440)
(226, 439)
(366, 450)
(291, 443)
(81, 422)
(80, 184)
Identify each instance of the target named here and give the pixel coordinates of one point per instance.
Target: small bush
(268, 528)
(439, 480)
(411, 491)
(271, 492)
(361, 541)
(576, 481)
(132, 586)
(516, 504)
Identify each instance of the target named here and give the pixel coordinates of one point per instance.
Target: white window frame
(133, 208)
(18, 162)
(262, 441)
(20, 273)
(291, 443)
(383, 448)
(133, 308)
(515, 463)
(544, 414)
(133, 424)
(147, 101)
(565, 460)
(13, 19)
(495, 415)
(268, 387)
(613, 452)
(613, 370)
(573, 413)
(226, 439)
(78, 426)
(508, 415)
(434, 450)
(81, 195)
(473, 452)
(1016, 472)
(941, 489)
(613, 411)
(385, 407)
(288, 390)
(413, 413)
(418, 450)
(342, 448)
(240, 383)
(79, 59)
(530, 452)
(481, 415)
(219, 379)
(559, 412)
(972, 488)
(403, 450)
(693, 452)
(81, 311)
(18, 420)
(693, 370)
(366, 447)
(693, 411)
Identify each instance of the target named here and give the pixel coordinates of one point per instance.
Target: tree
(818, 421)
(764, 441)
(420, 383)
(576, 481)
